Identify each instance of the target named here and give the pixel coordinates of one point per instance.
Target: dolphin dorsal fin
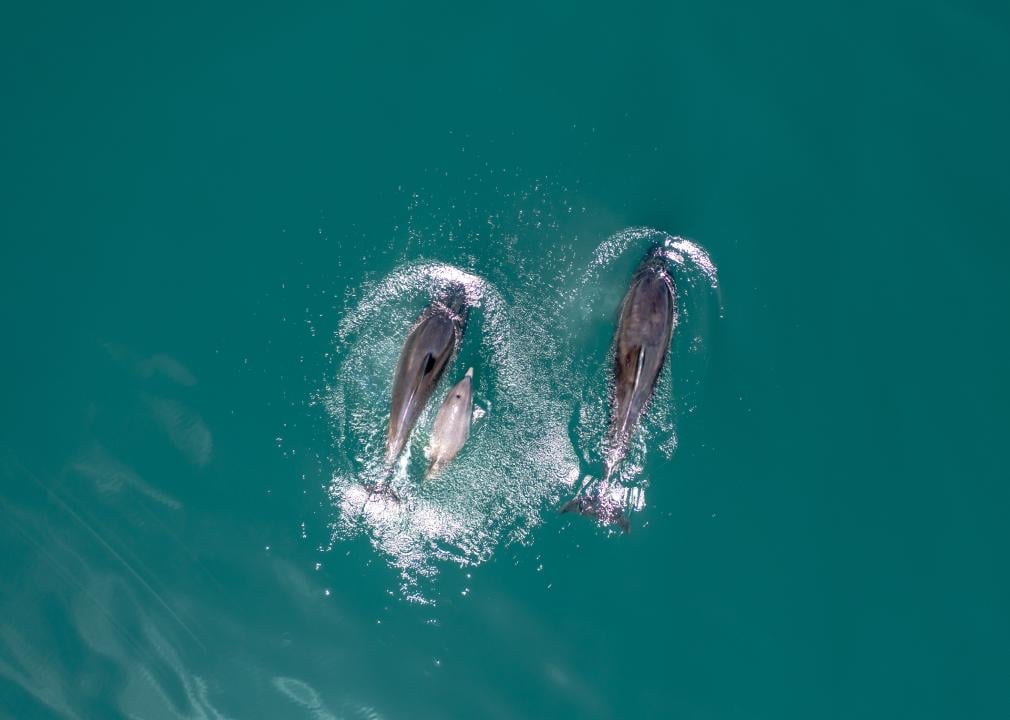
(639, 364)
(426, 365)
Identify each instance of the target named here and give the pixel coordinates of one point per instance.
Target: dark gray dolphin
(426, 352)
(643, 341)
(641, 344)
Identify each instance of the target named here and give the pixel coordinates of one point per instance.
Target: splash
(681, 251)
(516, 463)
(541, 394)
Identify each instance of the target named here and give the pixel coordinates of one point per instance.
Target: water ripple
(542, 382)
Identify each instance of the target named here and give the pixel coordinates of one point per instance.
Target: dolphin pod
(641, 344)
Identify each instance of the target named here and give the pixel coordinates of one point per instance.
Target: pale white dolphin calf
(452, 425)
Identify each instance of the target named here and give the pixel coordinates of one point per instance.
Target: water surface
(217, 224)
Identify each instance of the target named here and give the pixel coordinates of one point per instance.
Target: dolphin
(644, 330)
(452, 425)
(426, 352)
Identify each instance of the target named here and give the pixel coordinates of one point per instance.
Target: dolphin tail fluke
(434, 470)
(573, 505)
(604, 513)
(381, 489)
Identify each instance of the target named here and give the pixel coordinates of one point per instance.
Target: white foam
(514, 463)
(520, 460)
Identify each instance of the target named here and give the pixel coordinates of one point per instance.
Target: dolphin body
(452, 425)
(641, 344)
(426, 352)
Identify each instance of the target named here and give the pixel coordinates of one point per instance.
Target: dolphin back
(643, 341)
(452, 425)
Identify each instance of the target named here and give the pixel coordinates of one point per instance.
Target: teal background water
(195, 198)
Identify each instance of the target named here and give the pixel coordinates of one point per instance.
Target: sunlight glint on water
(521, 459)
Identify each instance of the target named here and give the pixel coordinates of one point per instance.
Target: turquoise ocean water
(218, 223)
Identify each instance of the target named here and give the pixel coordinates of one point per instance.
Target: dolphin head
(654, 263)
(654, 260)
(453, 299)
